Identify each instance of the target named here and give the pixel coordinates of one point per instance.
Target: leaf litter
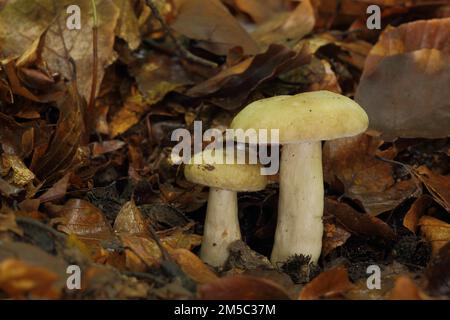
(95, 186)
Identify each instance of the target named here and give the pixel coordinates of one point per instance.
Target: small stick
(95, 58)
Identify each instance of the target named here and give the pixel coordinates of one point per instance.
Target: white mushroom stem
(221, 226)
(300, 208)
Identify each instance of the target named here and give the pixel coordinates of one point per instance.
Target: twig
(182, 51)
(95, 58)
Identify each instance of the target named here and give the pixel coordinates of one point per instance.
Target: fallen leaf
(287, 27)
(242, 288)
(361, 224)
(15, 138)
(20, 175)
(416, 211)
(406, 289)
(437, 185)
(333, 237)
(352, 162)
(57, 191)
(230, 88)
(437, 232)
(193, 266)
(410, 66)
(130, 220)
(19, 279)
(215, 28)
(24, 21)
(329, 284)
(128, 25)
(134, 107)
(159, 74)
(100, 148)
(260, 10)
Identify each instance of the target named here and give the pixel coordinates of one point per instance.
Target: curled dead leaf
(436, 231)
(329, 284)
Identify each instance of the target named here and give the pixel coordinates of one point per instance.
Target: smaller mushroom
(225, 180)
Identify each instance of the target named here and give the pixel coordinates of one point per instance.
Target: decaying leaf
(437, 232)
(287, 27)
(242, 288)
(329, 284)
(437, 185)
(24, 21)
(406, 289)
(333, 237)
(417, 210)
(358, 223)
(231, 87)
(352, 162)
(193, 266)
(130, 220)
(215, 28)
(405, 81)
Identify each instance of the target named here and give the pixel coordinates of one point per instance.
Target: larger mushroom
(225, 180)
(303, 120)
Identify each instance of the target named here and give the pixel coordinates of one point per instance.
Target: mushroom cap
(310, 116)
(233, 177)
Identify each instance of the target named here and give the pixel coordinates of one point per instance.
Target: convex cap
(310, 116)
(233, 177)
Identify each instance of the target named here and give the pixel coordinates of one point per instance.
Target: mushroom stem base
(221, 226)
(300, 208)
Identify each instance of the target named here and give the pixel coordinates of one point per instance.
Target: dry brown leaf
(133, 108)
(159, 74)
(193, 266)
(410, 66)
(260, 10)
(358, 223)
(352, 162)
(57, 191)
(333, 237)
(438, 185)
(89, 225)
(130, 220)
(18, 279)
(406, 289)
(83, 219)
(230, 88)
(437, 232)
(329, 284)
(128, 25)
(15, 138)
(19, 174)
(24, 21)
(242, 288)
(210, 22)
(287, 27)
(417, 210)
(100, 148)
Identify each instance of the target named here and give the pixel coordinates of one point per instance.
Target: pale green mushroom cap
(233, 177)
(310, 116)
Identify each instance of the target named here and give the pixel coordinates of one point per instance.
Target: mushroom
(303, 120)
(225, 180)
